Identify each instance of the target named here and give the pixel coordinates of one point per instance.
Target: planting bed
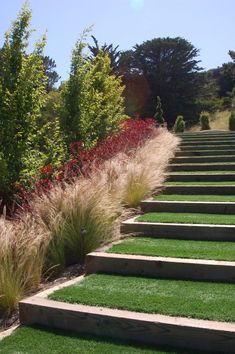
(176, 248)
(202, 300)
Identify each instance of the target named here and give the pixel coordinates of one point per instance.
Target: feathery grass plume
(146, 171)
(21, 259)
(78, 218)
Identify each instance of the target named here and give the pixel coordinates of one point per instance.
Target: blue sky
(207, 24)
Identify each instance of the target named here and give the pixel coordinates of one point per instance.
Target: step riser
(187, 207)
(140, 328)
(181, 231)
(159, 268)
(201, 178)
(204, 153)
(201, 167)
(203, 159)
(216, 190)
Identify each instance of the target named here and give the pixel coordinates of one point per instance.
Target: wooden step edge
(179, 231)
(155, 329)
(160, 267)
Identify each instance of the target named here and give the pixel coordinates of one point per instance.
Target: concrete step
(204, 153)
(180, 231)
(151, 205)
(202, 167)
(154, 329)
(203, 159)
(160, 267)
(203, 190)
(200, 177)
(207, 147)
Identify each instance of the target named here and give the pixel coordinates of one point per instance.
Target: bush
(179, 125)
(204, 121)
(232, 121)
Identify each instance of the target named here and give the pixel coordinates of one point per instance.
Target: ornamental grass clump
(22, 248)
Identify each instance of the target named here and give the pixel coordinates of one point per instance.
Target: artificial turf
(39, 340)
(147, 246)
(188, 218)
(194, 299)
(195, 197)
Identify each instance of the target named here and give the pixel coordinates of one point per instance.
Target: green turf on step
(39, 340)
(195, 198)
(147, 246)
(201, 173)
(188, 218)
(195, 183)
(202, 300)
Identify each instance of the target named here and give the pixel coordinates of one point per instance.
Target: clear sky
(207, 24)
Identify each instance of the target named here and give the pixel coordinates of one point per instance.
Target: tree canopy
(169, 67)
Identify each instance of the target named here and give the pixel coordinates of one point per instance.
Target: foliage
(112, 52)
(204, 120)
(24, 142)
(92, 99)
(232, 121)
(159, 112)
(179, 125)
(170, 68)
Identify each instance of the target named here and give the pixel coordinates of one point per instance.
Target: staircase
(204, 167)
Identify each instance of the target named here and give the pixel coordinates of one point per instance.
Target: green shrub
(232, 121)
(204, 121)
(179, 125)
(158, 116)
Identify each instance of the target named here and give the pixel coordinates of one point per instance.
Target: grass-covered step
(207, 147)
(201, 300)
(151, 205)
(43, 340)
(181, 231)
(203, 159)
(200, 189)
(156, 329)
(38, 340)
(200, 183)
(188, 218)
(146, 246)
(206, 176)
(204, 153)
(207, 142)
(160, 267)
(195, 198)
(209, 166)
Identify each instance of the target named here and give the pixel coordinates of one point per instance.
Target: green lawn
(147, 246)
(38, 340)
(195, 198)
(204, 300)
(188, 218)
(195, 183)
(203, 173)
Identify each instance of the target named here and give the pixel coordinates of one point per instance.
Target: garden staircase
(205, 157)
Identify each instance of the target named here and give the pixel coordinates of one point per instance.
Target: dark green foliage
(159, 112)
(49, 69)
(232, 121)
(112, 52)
(204, 121)
(179, 125)
(168, 68)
